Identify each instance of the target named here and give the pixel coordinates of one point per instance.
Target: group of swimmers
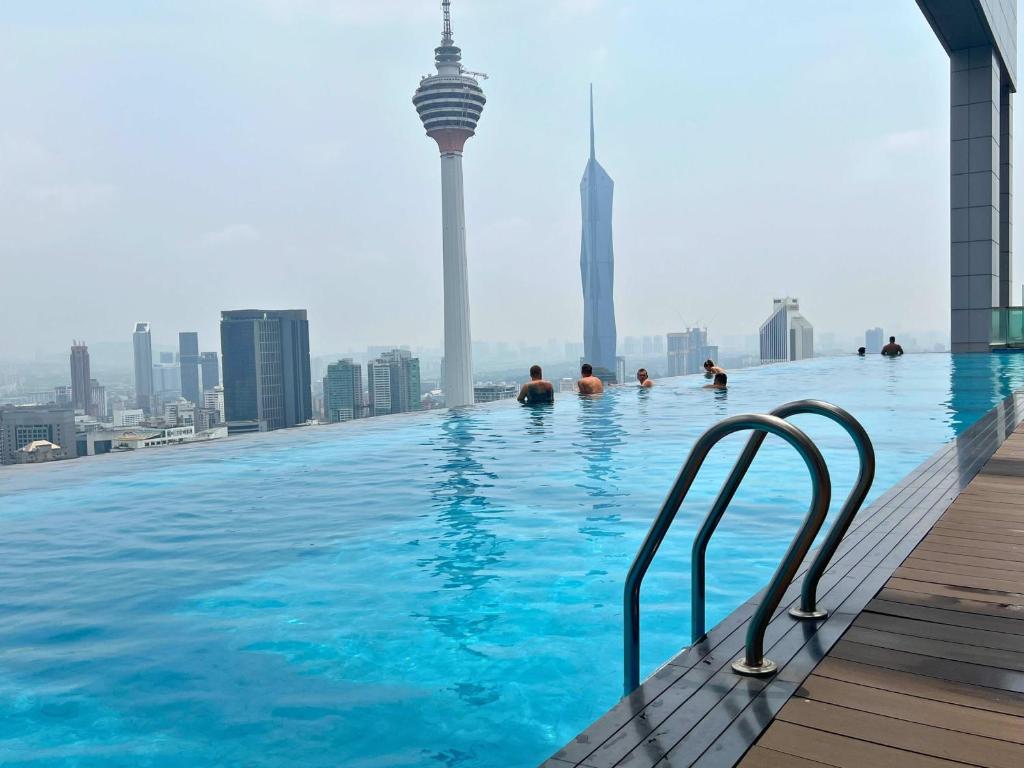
(892, 349)
(539, 390)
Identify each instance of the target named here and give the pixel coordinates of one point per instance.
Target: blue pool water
(440, 589)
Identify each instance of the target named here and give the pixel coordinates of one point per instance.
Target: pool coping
(695, 707)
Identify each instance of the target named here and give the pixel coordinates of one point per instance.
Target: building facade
(142, 347)
(393, 383)
(449, 105)
(488, 393)
(786, 335)
(343, 391)
(188, 357)
(81, 380)
(24, 424)
(210, 370)
(597, 264)
(874, 340)
(266, 369)
(688, 350)
(980, 37)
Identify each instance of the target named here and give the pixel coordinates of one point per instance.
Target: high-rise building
(167, 358)
(393, 383)
(188, 355)
(24, 424)
(213, 400)
(142, 345)
(266, 369)
(166, 383)
(786, 335)
(62, 396)
(688, 350)
(488, 393)
(81, 393)
(631, 345)
(343, 391)
(210, 370)
(874, 340)
(450, 104)
(597, 267)
(98, 399)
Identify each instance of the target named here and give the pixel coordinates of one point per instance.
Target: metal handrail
(808, 594)
(821, 491)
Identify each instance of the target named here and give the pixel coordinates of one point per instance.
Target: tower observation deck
(450, 104)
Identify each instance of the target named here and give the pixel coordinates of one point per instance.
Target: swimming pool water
(439, 589)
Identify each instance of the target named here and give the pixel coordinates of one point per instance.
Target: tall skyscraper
(81, 382)
(874, 339)
(343, 391)
(266, 369)
(786, 335)
(188, 354)
(687, 351)
(597, 264)
(393, 383)
(142, 345)
(210, 370)
(450, 104)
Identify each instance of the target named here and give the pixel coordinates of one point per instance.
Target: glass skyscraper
(343, 391)
(597, 264)
(266, 369)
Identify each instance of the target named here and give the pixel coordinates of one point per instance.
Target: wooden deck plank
(947, 617)
(938, 631)
(903, 734)
(915, 709)
(762, 757)
(843, 751)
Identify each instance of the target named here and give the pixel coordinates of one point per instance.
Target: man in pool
(538, 390)
(644, 379)
(710, 369)
(892, 349)
(721, 382)
(589, 384)
(861, 351)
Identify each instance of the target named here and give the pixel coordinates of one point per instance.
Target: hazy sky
(163, 161)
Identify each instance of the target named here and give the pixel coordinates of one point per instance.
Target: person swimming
(892, 349)
(721, 382)
(710, 369)
(644, 379)
(861, 351)
(538, 390)
(589, 384)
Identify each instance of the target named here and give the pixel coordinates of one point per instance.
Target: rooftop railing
(1007, 327)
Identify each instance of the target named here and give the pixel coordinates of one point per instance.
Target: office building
(874, 340)
(620, 369)
(98, 399)
(488, 393)
(449, 105)
(597, 268)
(210, 370)
(167, 358)
(343, 391)
(786, 335)
(166, 384)
(62, 396)
(142, 346)
(188, 356)
(81, 381)
(688, 350)
(213, 400)
(265, 369)
(128, 417)
(393, 383)
(21, 425)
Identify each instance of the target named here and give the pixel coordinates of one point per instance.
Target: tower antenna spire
(592, 121)
(446, 33)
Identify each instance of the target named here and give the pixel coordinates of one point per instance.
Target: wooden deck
(920, 663)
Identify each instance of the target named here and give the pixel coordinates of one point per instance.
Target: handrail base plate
(765, 668)
(797, 613)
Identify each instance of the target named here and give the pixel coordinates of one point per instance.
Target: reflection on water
(466, 551)
(539, 420)
(600, 435)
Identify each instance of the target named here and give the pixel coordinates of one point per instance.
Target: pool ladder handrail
(808, 593)
(821, 492)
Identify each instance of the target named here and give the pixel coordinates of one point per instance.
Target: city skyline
(526, 217)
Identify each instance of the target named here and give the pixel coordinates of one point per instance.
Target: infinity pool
(440, 589)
